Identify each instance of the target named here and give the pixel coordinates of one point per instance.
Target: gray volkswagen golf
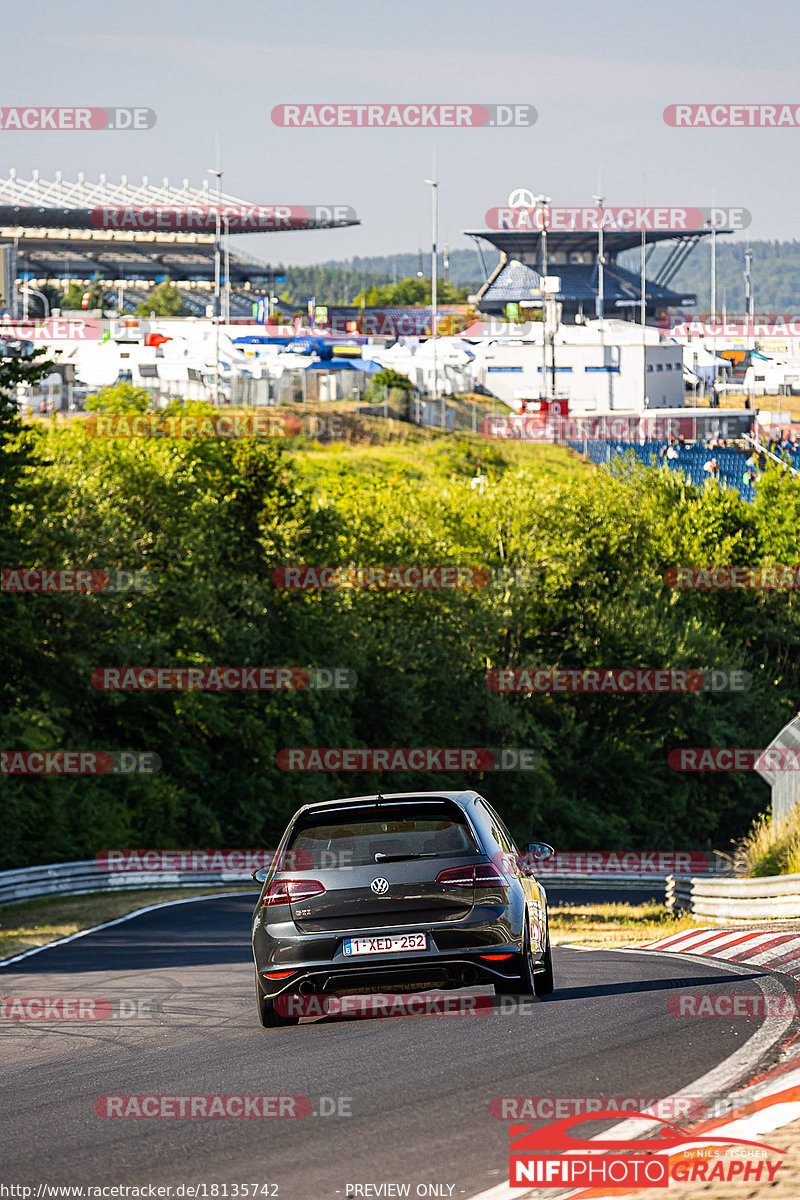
(399, 893)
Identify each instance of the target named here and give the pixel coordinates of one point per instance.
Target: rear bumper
(452, 959)
(400, 975)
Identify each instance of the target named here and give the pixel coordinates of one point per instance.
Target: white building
(597, 370)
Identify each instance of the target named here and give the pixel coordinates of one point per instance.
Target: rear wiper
(380, 857)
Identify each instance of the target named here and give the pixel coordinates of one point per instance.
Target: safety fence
(601, 869)
(729, 901)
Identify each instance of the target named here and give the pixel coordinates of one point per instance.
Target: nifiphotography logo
(553, 1157)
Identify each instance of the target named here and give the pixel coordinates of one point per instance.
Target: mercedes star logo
(521, 198)
(380, 886)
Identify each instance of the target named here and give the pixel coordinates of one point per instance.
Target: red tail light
(488, 875)
(457, 877)
(289, 891)
(479, 875)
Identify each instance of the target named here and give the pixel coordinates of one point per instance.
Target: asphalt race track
(418, 1088)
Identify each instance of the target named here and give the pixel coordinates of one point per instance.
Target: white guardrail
(81, 878)
(727, 901)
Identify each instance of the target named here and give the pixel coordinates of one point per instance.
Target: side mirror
(539, 850)
(260, 875)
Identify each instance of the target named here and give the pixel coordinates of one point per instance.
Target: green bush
(583, 558)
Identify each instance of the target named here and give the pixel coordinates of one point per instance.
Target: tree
(411, 291)
(14, 451)
(387, 378)
(73, 297)
(163, 301)
(119, 398)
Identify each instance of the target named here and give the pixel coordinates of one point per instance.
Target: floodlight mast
(217, 275)
(434, 183)
(544, 201)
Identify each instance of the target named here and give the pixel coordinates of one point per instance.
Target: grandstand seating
(689, 461)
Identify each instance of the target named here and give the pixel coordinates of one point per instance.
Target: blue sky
(599, 75)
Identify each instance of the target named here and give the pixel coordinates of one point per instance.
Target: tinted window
(356, 836)
(499, 831)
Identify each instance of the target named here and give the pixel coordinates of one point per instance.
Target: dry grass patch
(614, 924)
(770, 848)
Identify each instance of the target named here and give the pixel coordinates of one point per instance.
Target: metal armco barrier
(585, 869)
(81, 878)
(726, 901)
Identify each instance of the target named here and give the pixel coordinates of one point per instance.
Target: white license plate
(396, 943)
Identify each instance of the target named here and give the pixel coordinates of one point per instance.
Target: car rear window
(353, 837)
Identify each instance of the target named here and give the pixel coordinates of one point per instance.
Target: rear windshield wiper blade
(380, 857)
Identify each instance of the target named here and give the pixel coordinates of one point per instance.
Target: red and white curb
(760, 1109)
(778, 951)
(771, 1102)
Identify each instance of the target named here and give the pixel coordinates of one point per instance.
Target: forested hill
(775, 272)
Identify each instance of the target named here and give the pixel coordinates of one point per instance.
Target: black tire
(522, 984)
(268, 1015)
(543, 983)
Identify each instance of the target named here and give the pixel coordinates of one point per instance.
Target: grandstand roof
(61, 204)
(53, 225)
(572, 256)
(516, 242)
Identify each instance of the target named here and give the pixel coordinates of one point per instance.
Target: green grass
(429, 456)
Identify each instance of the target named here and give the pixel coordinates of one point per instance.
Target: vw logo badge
(380, 886)
(521, 198)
